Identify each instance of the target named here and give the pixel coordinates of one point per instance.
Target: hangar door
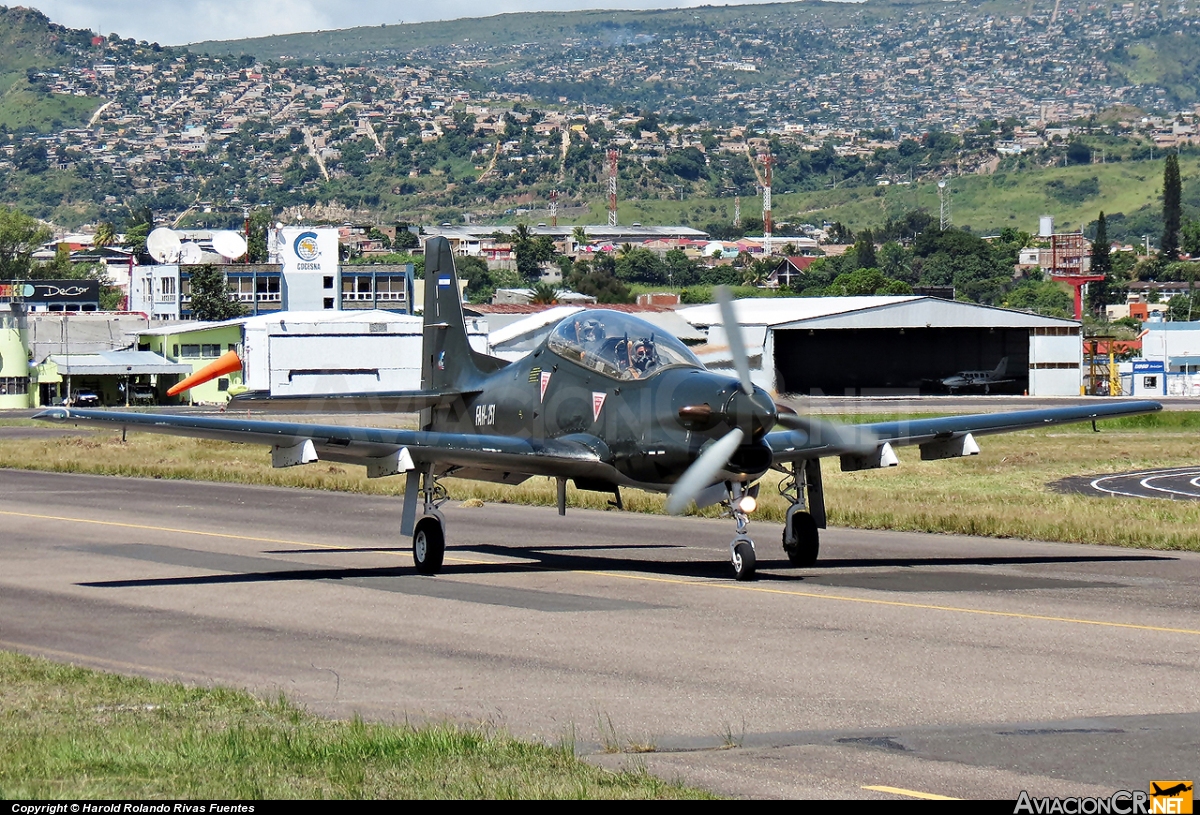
(877, 360)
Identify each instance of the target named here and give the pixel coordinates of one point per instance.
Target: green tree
(544, 294)
(1171, 208)
(20, 237)
(211, 299)
(864, 250)
(1189, 237)
(1101, 292)
(106, 235)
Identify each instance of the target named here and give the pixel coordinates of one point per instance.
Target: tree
(20, 237)
(864, 250)
(544, 294)
(1102, 292)
(1171, 209)
(106, 235)
(211, 299)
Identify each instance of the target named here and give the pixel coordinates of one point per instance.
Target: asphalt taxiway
(1174, 484)
(901, 665)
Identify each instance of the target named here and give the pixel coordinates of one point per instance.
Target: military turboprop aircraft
(978, 379)
(606, 401)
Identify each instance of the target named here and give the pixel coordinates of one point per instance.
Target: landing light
(747, 504)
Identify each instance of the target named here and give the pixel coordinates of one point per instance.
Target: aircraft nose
(755, 412)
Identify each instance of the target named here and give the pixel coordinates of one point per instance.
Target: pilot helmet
(591, 330)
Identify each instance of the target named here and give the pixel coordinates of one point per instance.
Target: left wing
(865, 446)
(384, 451)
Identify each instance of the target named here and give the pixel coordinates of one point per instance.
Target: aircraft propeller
(746, 410)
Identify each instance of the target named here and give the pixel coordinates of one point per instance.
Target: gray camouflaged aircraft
(605, 401)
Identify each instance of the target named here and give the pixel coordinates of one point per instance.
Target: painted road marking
(928, 796)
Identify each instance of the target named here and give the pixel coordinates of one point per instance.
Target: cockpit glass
(618, 345)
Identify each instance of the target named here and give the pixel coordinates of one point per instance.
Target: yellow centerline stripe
(928, 796)
(647, 578)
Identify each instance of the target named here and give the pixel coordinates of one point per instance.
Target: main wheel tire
(743, 561)
(429, 546)
(805, 544)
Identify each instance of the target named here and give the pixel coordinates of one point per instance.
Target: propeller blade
(849, 437)
(703, 470)
(733, 334)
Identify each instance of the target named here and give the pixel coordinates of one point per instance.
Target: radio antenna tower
(612, 187)
(944, 205)
(767, 160)
(737, 210)
(554, 208)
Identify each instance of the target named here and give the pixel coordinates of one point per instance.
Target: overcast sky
(178, 22)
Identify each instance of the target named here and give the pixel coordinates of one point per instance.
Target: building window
(328, 303)
(357, 287)
(223, 384)
(267, 290)
(391, 288)
(328, 281)
(14, 385)
(210, 350)
(187, 350)
(166, 286)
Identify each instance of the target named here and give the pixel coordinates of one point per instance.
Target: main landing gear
(803, 522)
(429, 536)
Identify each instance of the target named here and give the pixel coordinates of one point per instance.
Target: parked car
(84, 399)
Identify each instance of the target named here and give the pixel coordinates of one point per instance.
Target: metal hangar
(881, 345)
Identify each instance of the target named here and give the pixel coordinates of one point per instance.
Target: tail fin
(1000, 369)
(448, 361)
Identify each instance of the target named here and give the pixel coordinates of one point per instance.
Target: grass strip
(67, 732)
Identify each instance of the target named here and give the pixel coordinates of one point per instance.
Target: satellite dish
(163, 245)
(190, 253)
(229, 244)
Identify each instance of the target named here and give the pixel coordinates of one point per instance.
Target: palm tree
(106, 235)
(579, 235)
(544, 294)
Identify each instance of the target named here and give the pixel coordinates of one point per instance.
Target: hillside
(30, 45)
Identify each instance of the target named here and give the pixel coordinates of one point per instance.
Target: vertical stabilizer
(448, 362)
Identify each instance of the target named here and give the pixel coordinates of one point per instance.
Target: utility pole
(612, 187)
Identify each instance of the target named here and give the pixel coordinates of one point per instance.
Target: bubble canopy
(618, 345)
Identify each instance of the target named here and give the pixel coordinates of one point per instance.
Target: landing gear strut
(803, 522)
(741, 548)
(429, 536)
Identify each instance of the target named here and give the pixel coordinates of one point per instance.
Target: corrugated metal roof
(276, 317)
(117, 363)
(879, 311)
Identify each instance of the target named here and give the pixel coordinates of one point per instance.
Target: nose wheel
(741, 548)
(741, 555)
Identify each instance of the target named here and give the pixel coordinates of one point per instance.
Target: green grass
(985, 203)
(70, 733)
(21, 106)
